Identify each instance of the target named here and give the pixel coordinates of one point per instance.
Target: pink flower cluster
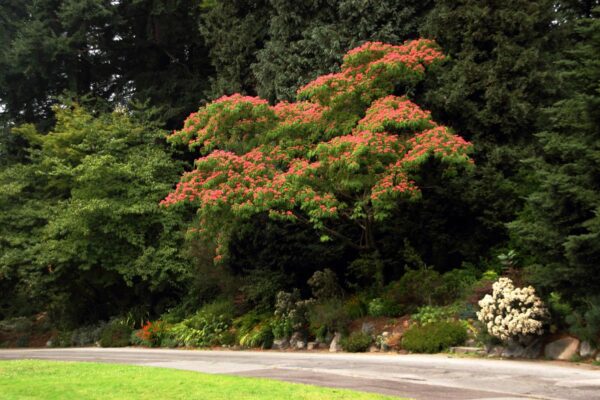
(394, 112)
(364, 66)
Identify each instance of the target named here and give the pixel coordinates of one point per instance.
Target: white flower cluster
(511, 312)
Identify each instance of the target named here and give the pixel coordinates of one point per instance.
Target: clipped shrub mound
(434, 337)
(115, 335)
(357, 342)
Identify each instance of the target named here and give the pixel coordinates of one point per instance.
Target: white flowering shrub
(511, 312)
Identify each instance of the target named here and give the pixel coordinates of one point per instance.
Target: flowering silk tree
(347, 149)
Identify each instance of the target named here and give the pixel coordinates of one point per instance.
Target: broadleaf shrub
(356, 342)
(434, 337)
(512, 313)
(115, 334)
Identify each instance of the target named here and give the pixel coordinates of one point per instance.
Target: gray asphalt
(422, 377)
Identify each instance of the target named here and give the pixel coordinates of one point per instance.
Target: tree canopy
(348, 149)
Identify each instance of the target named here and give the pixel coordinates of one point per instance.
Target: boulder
(300, 345)
(562, 349)
(466, 350)
(373, 349)
(586, 349)
(335, 343)
(296, 337)
(312, 345)
(280, 344)
(495, 351)
(515, 349)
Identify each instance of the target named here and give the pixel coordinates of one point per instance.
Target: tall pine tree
(559, 229)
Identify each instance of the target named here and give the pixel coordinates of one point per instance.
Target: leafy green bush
(87, 335)
(356, 307)
(417, 287)
(23, 340)
(291, 314)
(328, 316)
(379, 307)
(18, 324)
(208, 327)
(434, 337)
(254, 330)
(585, 322)
(431, 314)
(115, 334)
(454, 285)
(62, 339)
(357, 342)
(324, 285)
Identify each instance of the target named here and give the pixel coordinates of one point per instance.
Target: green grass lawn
(29, 379)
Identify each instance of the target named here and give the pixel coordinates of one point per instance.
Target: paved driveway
(424, 377)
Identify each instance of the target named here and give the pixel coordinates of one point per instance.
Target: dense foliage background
(89, 91)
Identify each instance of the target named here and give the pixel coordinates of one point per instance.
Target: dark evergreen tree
(234, 30)
(497, 79)
(111, 50)
(272, 47)
(559, 229)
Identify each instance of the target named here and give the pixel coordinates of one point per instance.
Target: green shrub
(153, 333)
(23, 341)
(135, 338)
(87, 335)
(62, 339)
(585, 321)
(291, 314)
(260, 335)
(434, 337)
(454, 285)
(356, 307)
(208, 327)
(115, 334)
(328, 316)
(324, 285)
(18, 324)
(379, 307)
(357, 342)
(417, 287)
(254, 330)
(432, 314)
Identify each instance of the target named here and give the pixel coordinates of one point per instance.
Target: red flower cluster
(371, 70)
(394, 114)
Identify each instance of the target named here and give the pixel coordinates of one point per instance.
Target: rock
(335, 343)
(514, 349)
(296, 337)
(367, 327)
(280, 344)
(562, 349)
(300, 345)
(466, 350)
(495, 351)
(312, 345)
(586, 350)
(373, 349)
(49, 343)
